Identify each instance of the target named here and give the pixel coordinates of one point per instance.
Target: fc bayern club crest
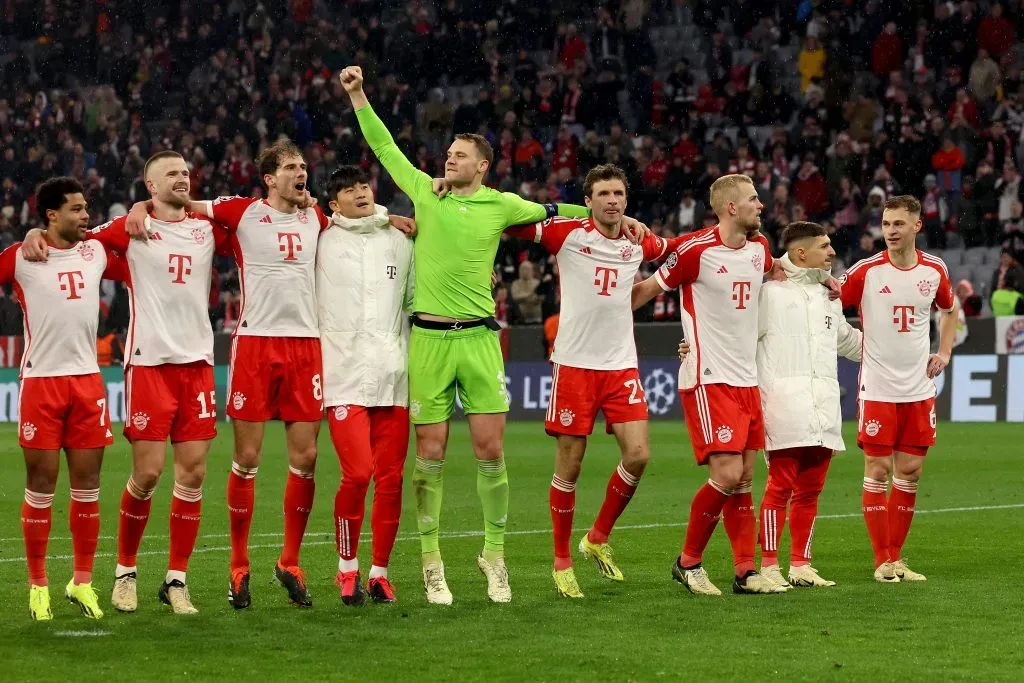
(758, 263)
(198, 235)
(86, 251)
(924, 287)
(626, 252)
(303, 217)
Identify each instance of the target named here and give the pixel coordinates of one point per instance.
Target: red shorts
(64, 412)
(176, 401)
(276, 378)
(723, 419)
(883, 427)
(577, 394)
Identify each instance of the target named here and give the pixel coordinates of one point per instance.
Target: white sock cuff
(743, 487)
(40, 501)
(429, 466)
(491, 466)
(85, 495)
(137, 492)
(725, 491)
(563, 485)
(875, 486)
(244, 472)
(300, 473)
(187, 494)
(348, 565)
(904, 485)
(377, 572)
(625, 476)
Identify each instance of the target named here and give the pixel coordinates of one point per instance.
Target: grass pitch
(965, 623)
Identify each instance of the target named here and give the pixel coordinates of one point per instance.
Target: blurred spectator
(1007, 300)
(1008, 270)
(524, 294)
(970, 303)
(811, 63)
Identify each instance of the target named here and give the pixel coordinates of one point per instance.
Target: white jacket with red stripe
(800, 333)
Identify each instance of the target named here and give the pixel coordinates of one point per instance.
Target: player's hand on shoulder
(352, 79)
(684, 348)
(634, 230)
(135, 221)
(440, 187)
(34, 247)
(307, 201)
(835, 290)
(403, 224)
(937, 362)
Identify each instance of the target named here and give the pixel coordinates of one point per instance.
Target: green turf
(964, 623)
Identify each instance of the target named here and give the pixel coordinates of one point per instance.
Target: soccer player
(451, 342)
(275, 353)
(800, 332)
(720, 272)
(63, 399)
(894, 292)
(595, 363)
(364, 287)
(169, 385)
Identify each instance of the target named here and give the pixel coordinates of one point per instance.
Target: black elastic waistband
(458, 325)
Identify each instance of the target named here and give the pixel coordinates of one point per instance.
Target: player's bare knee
(878, 469)
(247, 455)
(41, 480)
(635, 459)
(303, 459)
(147, 475)
(488, 450)
(190, 474)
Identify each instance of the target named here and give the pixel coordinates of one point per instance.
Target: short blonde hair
(722, 190)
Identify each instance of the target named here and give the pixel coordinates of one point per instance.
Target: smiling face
(167, 180)
(354, 201)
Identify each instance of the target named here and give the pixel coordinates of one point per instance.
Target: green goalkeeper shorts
(442, 360)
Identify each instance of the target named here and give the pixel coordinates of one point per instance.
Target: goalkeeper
(452, 343)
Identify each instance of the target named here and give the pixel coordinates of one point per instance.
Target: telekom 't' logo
(903, 317)
(180, 265)
(71, 282)
(603, 279)
(741, 294)
(289, 243)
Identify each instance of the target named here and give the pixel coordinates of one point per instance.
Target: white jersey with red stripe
(60, 299)
(719, 289)
(895, 307)
(596, 274)
(169, 288)
(276, 255)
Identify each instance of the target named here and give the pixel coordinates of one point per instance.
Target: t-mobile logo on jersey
(71, 282)
(603, 279)
(392, 271)
(741, 294)
(289, 243)
(180, 265)
(903, 317)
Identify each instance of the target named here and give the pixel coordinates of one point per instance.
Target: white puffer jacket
(364, 290)
(800, 333)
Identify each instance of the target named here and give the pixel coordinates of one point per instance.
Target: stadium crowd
(830, 106)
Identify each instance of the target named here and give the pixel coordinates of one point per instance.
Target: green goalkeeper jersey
(457, 237)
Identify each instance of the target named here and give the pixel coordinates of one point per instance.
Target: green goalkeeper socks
(492, 487)
(428, 484)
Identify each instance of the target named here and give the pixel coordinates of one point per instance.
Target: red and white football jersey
(169, 288)
(276, 255)
(595, 325)
(895, 308)
(60, 299)
(719, 294)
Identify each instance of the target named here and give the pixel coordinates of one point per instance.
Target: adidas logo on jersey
(266, 219)
(585, 250)
(885, 290)
(722, 270)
